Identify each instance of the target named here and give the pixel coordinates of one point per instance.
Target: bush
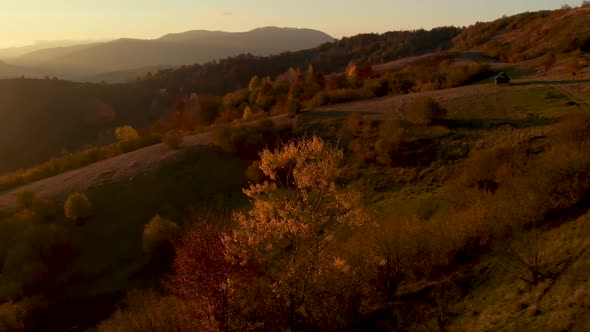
(78, 207)
(320, 99)
(173, 139)
(525, 257)
(150, 312)
(293, 106)
(158, 231)
(346, 95)
(201, 255)
(247, 140)
(126, 133)
(253, 172)
(425, 111)
(391, 136)
(12, 316)
(25, 199)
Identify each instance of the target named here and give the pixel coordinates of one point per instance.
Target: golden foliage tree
(295, 222)
(126, 133)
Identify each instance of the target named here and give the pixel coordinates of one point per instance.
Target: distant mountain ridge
(175, 49)
(17, 51)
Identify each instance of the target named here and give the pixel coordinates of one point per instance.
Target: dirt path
(121, 167)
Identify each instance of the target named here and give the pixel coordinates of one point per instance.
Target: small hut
(502, 78)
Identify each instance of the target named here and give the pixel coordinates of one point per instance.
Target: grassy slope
(110, 256)
(482, 115)
(497, 301)
(111, 259)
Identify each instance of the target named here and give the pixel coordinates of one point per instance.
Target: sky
(23, 22)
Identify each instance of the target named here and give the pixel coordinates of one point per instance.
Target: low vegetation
(158, 232)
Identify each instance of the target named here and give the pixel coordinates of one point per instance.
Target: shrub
(391, 136)
(45, 208)
(173, 139)
(247, 113)
(293, 106)
(150, 312)
(126, 133)
(78, 207)
(25, 199)
(12, 316)
(247, 140)
(425, 111)
(158, 231)
(200, 255)
(320, 99)
(377, 86)
(253, 172)
(346, 95)
(525, 257)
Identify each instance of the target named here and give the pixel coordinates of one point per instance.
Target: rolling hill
(82, 61)
(17, 51)
(51, 116)
(476, 211)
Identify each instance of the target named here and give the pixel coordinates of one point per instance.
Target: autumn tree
(254, 83)
(201, 274)
(295, 223)
(126, 133)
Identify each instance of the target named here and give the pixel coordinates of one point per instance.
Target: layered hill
(178, 49)
(17, 51)
(43, 118)
(71, 114)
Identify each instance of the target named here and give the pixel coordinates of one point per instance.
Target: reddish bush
(201, 274)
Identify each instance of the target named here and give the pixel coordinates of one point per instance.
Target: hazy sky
(25, 21)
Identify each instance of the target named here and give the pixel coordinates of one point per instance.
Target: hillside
(89, 116)
(381, 182)
(154, 96)
(40, 119)
(480, 116)
(529, 35)
(170, 50)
